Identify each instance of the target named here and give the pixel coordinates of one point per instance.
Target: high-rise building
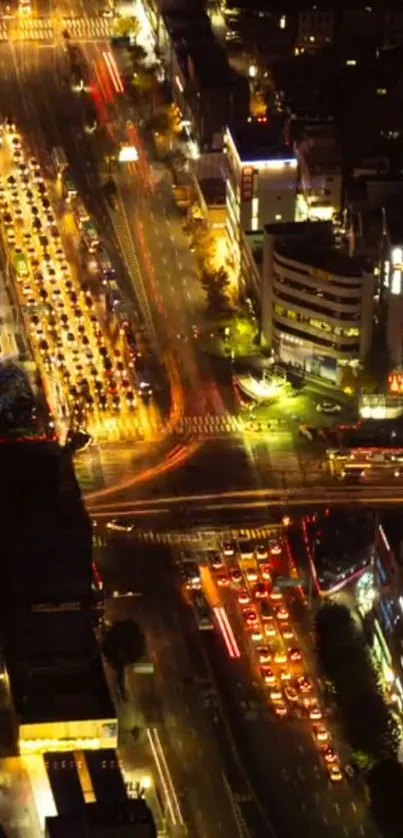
(317, 302)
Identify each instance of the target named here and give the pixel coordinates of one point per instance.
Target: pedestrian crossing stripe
(43, 29)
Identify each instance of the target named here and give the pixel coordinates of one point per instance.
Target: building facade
(320, 193)
(317, 303)
(261, 182)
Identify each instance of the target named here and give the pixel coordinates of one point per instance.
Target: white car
(328, 407)
(117, 525)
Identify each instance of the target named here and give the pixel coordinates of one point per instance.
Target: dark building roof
(46, 533)
(214, 191)
(132, 818)
(55, 669)
(261, 141)
(312, 244)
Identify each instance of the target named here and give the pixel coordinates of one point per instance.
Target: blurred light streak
(227, 633)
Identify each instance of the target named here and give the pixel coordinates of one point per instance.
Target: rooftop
(213, 190)
(133, 815)
(301, 242)
(261, 141)
(55, 670)
(45, 528)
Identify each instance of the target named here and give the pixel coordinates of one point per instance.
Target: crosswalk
(45, 30)
(196, 540)
(208, 425)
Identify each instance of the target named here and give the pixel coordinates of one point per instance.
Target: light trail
(149, 474)
(163, 770)
(227, 633)
(113, 72)
(161, 777)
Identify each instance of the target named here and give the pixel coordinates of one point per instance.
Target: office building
(261, 181)
(48, 604)
(207, 90)
(383, 598)
(320, 193)
(317, 302)
(132, 819)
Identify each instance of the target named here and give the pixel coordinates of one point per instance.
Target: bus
(90, 235)
(203, 611)
(80, 213)
(106, 267)
(59, 159)
(20, 265)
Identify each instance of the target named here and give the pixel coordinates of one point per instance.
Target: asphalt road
(182, 702)
(212, 711)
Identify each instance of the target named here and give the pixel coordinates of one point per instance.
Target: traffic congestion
(87, 370)
(244, 573)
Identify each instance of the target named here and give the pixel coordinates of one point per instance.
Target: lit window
(283, 22)
(278, 216)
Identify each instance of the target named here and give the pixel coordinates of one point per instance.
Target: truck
(202, 611)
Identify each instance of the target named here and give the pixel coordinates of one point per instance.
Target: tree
(344, 659)
(385, 784)
(137, 55)
(126, 26)
(215, 284)
(123, 644)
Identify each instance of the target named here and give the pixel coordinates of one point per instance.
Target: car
(264, 654)
(328, 407)
(250, 616)
(287, 632)
(251, 574)
(268, 675)
(282, 613)
(280, 709)
(236, 576)
(329, 754)
(294, 654)
(266, 572)
(285, 675)
(228, 548)
(315, 713)
(261, 552)
(304, 684)
(274, 547)
(216, 561)
(256, 635)
(321, 733)
(275, 595)
(335, 774)
(291, 693)
(280, 658)
(246, 548)
(270, 628)
(223, 580)
(260, 591)
(276, 695)
(119, 525)
(243, 598)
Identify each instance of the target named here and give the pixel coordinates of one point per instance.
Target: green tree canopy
(123, 644)
(344, 658)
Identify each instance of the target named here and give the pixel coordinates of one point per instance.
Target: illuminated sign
(247, 183)
(395, 382)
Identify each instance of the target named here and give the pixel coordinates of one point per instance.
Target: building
(207, 90)
(317, 302)
(48, 605)
(132, 819)
(386, 602)
(261, 181)
(316, 25)
(320, 193)
(58, 687)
